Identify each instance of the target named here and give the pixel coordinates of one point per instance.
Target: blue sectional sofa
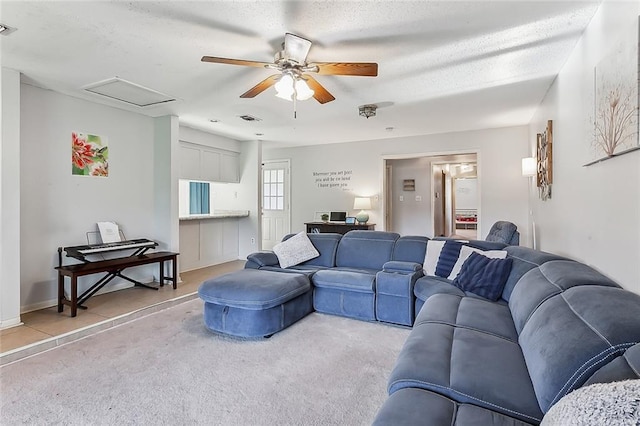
(557, 325)
(366, 275)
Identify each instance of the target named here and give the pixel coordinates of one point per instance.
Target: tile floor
(47, 328)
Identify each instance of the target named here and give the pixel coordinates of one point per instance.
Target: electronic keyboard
(81, 251)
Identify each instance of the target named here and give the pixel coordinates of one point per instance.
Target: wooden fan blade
(234, 61)
(321, 94)
(364, 69)
(261, 87)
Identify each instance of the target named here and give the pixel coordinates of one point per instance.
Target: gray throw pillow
(295, 250)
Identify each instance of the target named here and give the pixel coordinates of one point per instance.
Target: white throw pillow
(465, 252)
(434, 247)
(295, 250)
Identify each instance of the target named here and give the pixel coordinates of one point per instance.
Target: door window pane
(273, 189)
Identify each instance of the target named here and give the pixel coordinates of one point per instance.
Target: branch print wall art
(615, 119)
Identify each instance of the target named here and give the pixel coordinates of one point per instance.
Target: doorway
(456, 196)
(421, 194)
(276, 206)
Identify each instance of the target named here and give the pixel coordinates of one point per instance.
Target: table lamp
(362, 204)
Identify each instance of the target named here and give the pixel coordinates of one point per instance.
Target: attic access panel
(126, 91)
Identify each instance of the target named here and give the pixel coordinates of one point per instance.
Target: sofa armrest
(396, 266)
(263, 258)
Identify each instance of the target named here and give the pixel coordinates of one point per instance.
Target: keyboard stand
(113, 269)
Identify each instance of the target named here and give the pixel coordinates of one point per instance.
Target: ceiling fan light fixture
(367, 110)
(284, 87)
(303, 92)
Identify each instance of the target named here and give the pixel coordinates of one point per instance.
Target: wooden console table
(337, 227)
(113, 268)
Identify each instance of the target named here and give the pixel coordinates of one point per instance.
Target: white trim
(13, 322)
(121, 285)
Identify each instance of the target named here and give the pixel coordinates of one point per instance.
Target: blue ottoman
(253, 303)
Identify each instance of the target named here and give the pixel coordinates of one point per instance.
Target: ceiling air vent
(125, 91)
(248, 117)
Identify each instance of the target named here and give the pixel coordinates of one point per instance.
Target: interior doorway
(456, 195)
(430, 195)
(276, 206)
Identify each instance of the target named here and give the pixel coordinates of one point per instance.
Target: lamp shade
(362, 204)
(528, 166)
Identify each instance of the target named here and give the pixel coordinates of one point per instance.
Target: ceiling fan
(293, 81)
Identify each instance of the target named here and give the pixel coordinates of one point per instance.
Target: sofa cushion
(365, 249)
(524, 259)
(467, 366)
(295, 250)
(551, 278)
(468, 312)
(573, 334)
(410, 248)
(411, 406)
(483, 276)
(352, 280)
(253, 289)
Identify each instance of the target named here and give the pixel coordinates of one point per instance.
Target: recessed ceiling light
(6, 30)
(213, 120)
(259, 134)
(389, 129)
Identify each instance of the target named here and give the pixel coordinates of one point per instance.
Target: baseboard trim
(115, 286)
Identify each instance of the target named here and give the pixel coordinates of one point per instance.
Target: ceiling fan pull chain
(295, 100)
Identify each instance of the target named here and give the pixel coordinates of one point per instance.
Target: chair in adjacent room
(504, 232)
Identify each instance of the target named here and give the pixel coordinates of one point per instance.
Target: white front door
(276, 213)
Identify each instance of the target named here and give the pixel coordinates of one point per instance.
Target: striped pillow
(441, 256)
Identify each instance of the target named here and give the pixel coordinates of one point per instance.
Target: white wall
(411, 217)
(10, 198)
(594, 213)
(503, 190)
(57, 208)
(249, 198)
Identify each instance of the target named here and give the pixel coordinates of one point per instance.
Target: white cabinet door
(210, 165)
(229, 168)
(189, 162)
(230, 236)
(189, 245)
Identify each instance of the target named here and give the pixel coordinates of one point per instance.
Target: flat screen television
(337, 216)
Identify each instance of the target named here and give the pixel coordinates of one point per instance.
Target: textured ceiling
(443, 65)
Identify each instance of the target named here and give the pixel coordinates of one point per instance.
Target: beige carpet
(167, 369)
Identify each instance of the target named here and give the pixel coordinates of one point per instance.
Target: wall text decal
(333, 179)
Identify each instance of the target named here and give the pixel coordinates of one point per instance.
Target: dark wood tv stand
(337, 227)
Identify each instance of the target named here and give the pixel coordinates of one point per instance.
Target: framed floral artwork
(89, 155)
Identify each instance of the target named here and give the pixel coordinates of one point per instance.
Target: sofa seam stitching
(572, 380)
(468, 328)
(587, 323)
(472, 397)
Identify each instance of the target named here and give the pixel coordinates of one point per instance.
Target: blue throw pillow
(483, 276)
(448, 257)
